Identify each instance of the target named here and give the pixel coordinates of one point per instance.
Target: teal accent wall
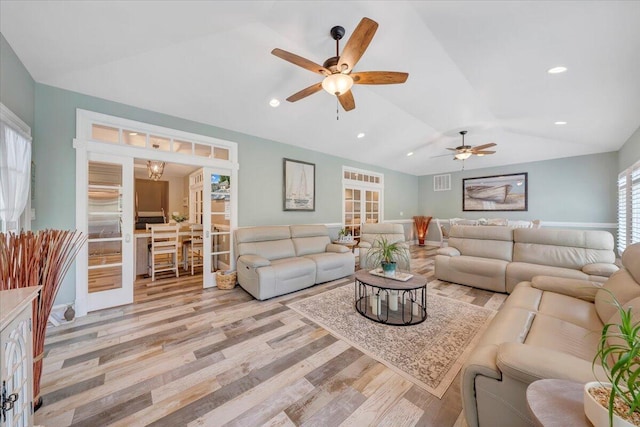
(17, 87)
(572, 189)
(630, 151)
(260, 174)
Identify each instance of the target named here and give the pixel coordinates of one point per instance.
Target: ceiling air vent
(442, 182)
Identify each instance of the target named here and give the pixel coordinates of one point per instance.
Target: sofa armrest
(600, 269)
(364, 245)
(576, 288)
(334, 247)
(449, 251)
(527, 363)
(254, 261)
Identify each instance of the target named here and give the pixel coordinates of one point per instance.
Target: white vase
(598, 414)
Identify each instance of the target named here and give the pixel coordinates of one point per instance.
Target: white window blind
(629, 207)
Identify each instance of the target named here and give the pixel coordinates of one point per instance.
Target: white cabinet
(16, 357)
(196, 184)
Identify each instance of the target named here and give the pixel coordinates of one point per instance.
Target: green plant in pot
(619, 355)
(386, 254)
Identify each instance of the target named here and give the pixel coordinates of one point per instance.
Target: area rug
(429, 354)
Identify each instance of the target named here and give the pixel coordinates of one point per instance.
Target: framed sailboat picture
(495, 193)
(299, 185)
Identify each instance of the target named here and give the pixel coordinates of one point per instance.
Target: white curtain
(15, 175)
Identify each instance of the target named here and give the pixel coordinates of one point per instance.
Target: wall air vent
(442, 182)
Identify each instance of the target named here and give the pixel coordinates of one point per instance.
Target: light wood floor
(185, 356)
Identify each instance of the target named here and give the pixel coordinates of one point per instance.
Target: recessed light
(557, 70)
(274, 102)
(133, 133)
(410, 153)
(360, 135)
(560, 123)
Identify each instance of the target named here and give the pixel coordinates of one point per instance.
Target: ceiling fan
(463, 151)
(337, 70)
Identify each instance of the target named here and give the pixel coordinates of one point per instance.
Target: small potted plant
(178, 217)
(386, 254)
(619, 355)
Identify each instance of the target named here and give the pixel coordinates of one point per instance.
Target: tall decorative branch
(422, 225)
(38, 259)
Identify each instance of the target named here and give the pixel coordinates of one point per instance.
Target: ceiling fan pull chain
(337, 109)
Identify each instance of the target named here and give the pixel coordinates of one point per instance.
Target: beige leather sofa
(392, 232)
(276, 260)
(548, 328)
(498, 258)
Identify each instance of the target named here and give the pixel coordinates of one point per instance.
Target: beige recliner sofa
(548, 328)
(392, 232)
(497, 258)
(276, 260)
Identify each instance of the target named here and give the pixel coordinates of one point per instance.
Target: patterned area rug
(429, 354)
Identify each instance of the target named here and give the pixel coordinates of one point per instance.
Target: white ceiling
(477, 65)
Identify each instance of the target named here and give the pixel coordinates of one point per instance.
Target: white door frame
(363, 186)
(84, 144)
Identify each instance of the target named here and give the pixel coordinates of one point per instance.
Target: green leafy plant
(179, 217)
(342, 232)
(619, 355)
(384, 251)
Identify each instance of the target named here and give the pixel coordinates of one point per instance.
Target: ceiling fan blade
(379, 77)
(483, 146)
(305, 92)
(452, 149)
(482, 152)
(440, 155)
(347, 101)
(357, 44)
(300, 61)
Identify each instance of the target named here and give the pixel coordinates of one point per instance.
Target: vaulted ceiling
(479, 66)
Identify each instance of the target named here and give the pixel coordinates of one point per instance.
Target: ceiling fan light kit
(337, 70)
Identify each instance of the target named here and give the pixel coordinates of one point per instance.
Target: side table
(557, 403)
(351, 245)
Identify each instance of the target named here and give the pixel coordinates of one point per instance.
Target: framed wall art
(299, 192)
(495, 193)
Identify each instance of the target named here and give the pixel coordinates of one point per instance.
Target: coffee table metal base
(398, 307)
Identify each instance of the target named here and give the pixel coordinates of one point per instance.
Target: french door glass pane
(104, 226)
(220, 222)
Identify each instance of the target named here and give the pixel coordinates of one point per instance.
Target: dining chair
(163, 249)
(196, 248)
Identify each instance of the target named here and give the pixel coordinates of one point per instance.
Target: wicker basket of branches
(38, 259)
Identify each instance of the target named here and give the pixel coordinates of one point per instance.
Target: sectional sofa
(276, 260)
(497, 258)
(549, 327)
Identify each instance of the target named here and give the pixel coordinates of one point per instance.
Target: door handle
(127, 238)
(208, 234)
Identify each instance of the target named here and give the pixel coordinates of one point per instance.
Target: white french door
(108, 190)
(361, 206)
(219, 204)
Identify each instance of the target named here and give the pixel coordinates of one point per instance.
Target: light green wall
(573, 189)
(16, 84)
(260, 175)
(630, 151)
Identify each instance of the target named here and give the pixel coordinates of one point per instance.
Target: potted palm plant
(386, 254)
(616, 403)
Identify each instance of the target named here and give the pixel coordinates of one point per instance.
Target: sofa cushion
(332, 265)
(563, 248)
(392, 232)
(271, 250)
(562, 336)
(484, 273)
(310, 245)
(599, 269)
(485, 242)
(523, 271)
(625, 289)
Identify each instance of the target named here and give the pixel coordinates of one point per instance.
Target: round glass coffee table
(391, 301)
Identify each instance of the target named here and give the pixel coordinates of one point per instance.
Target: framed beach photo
(495, 193)
(299, 189)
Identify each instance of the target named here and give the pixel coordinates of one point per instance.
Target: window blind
(629, 207)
